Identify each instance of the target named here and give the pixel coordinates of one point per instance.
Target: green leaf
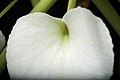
(7, 8)
(2, 60)
(109, 12)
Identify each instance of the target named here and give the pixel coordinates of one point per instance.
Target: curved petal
(33, 44)
(90, 45)
(77, 47)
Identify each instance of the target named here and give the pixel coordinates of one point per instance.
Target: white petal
(90, 45)
(2, 41)
(39, 47)
(35, 41)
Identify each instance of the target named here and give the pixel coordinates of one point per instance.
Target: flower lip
(42, 46)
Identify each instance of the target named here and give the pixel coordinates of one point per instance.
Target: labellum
(78, 46)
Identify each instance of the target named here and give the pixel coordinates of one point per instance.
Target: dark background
(23, 7)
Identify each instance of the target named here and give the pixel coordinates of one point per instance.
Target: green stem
(34, 2)
(71, 4)
(43, 5)
(2, 60)
(7, 8)
(109, 12)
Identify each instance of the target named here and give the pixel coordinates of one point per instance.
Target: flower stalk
(71, 4)
(43, 5)
(34, 2)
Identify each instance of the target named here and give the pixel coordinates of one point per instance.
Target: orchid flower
(78, 46)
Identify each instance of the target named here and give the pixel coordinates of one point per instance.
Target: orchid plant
(77, 46)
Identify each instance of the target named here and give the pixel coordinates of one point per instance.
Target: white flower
(78, 46)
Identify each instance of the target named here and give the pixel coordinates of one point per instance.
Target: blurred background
(23, 7)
